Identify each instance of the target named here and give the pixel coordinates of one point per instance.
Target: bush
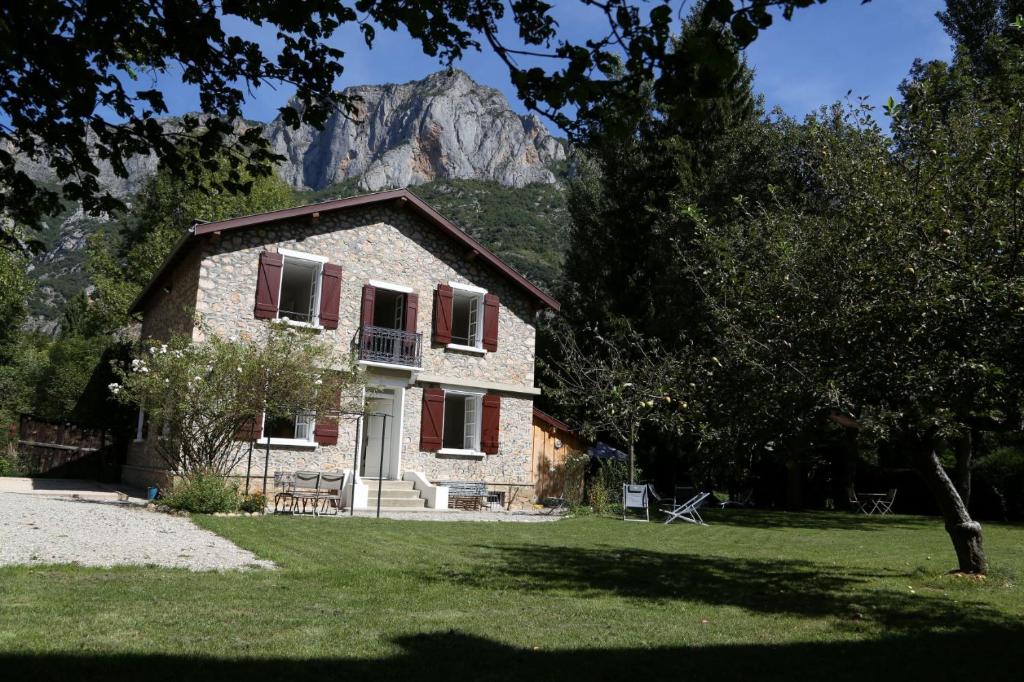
(1003, 471)
(253, 502)
(8, 466)
(203, 494)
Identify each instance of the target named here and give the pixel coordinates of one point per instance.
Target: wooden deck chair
(635, 496)
(688, 511)
(884, 505)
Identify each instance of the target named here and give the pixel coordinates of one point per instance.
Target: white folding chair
(634, 496)
(884, 504)
(688, 511)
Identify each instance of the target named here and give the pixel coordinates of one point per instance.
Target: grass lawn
(754, 596)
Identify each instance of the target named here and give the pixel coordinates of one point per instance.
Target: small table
(873, 499)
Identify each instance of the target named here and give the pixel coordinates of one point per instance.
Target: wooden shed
(553, 442)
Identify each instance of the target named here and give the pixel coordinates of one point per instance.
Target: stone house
(444, 330)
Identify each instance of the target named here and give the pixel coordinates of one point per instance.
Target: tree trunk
(632, 462)
(963, 531)
(964, 454)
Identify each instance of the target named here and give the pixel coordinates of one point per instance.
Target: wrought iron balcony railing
(390, 346)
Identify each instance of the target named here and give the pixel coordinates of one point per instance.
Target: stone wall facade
(386, 243)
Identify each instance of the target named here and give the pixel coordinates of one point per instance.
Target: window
(467, 317)
(298, 428)
(461, 422)
(389, 309)
(300, 289)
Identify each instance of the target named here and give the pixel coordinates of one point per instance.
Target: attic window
(467, 317)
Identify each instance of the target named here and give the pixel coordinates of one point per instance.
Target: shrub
(203, 494)
(605, 490)
(1003, 470)
(253, 502)
(8, 467)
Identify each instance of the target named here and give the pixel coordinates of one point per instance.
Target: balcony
(389, 346)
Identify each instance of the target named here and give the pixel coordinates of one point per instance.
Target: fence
(63, 450)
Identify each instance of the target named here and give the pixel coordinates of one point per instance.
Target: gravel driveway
(42, 530)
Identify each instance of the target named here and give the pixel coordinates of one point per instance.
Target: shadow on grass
(790, 587)
(991, 653)
(756, 518)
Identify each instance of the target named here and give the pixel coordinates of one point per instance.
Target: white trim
(387, 365)
(304, 325)
(288, 253)
(461, 452)
(468, 349)
(400, 288)
(289, 442)
(463, 390)
(430, 378)
(467, 287)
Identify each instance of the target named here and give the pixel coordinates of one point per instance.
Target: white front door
(379, 443)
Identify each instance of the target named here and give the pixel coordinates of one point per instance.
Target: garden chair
(883, 505)
(855, 503)
(688, 511)
(305, 488)
(330, 491)
(287, 482)
(635, 496)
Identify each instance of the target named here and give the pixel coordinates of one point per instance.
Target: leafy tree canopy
(72, 94)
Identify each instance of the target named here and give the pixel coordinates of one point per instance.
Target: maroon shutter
(326, 431)
(443, 314)
(268, 285)
(491, 307)
(412, 305)
(330, 295)
(369, 297)
(432, 421)
(250, 430)
(489, 421)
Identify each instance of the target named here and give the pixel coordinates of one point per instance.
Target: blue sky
(814, 59)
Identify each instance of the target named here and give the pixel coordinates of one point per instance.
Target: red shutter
(330, 295)
(326, 431)
(412, 305)
(369, 297)
(432, 421)
(489, 422)
(491, 307)
(443, 314)
(268, 285)
(251, 430)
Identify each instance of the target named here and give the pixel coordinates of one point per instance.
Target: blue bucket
(151, 493)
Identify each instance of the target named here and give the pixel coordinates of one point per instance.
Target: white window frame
(318, 277)
(478, 402)
(139, 426)
(478, 345)
(290, 442)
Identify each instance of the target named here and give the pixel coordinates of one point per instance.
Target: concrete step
(396, 502)
(386, 484)
(393, 494)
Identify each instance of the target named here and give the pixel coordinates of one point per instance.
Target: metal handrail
(390, 346)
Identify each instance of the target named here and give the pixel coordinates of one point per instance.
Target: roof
(403, 196)
(542, 416)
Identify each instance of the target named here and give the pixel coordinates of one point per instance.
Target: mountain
(491, 170)
(443, 127)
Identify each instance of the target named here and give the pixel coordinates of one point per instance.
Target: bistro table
(870, 502)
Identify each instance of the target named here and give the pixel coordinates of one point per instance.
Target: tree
(69, 96)
(618, 382)
(200, 396)
(897, 296)
(121, 262)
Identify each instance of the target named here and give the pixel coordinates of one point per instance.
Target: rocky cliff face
(442, 127)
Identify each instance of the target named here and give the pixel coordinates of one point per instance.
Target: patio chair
(883, 505)
(855, 503)
(330, 491)
(635, 496)
(286, 481)
(688, 511)
(305, 488)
